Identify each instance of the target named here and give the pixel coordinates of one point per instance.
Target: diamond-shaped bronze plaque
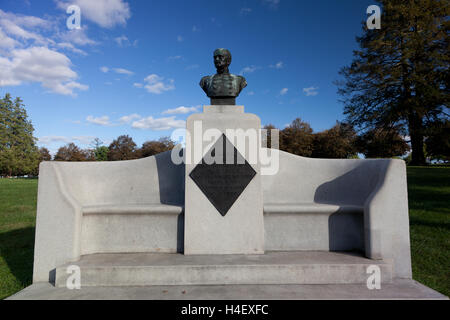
(221, 182)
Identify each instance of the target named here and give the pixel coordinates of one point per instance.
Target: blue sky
(134, 66)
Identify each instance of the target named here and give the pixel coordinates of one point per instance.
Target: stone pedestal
(223, 195)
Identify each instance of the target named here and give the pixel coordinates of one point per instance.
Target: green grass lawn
(17, 221)
(429, 203)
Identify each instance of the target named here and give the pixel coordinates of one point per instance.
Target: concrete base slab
(399, 289)
(293, 267)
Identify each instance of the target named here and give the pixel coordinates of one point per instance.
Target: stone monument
(223, 203)
(217, 220)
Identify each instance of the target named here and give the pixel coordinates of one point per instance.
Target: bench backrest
(306, 180)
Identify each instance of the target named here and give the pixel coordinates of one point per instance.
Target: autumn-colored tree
(44, 154)
(335, 143)
(382, 143)
(18, 152)
(297, 138)
(71, 152)
(400, 73)
(150, 148)
(123, 148)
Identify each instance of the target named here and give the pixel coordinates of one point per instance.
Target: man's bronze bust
(223, 87)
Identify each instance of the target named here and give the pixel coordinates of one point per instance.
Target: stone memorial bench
(106, 207)
(339, 205)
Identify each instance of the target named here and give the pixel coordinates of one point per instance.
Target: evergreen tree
(400, 75)
(379, 143)
(18, 152)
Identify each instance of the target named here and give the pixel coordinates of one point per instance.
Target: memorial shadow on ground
(17, 249)
(171, 179)
(346, 229)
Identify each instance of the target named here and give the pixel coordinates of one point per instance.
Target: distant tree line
(339, 142)
(122, 148)
(20, 156)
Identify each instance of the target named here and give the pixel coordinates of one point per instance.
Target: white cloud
(155, 84)
(83, 139)
(14, 25)
(40, 64)
(251, 93)
(71, 47)
(192, 67)
(181, 110)
(122, 40)
(175, 58)
(47, 140)
(105, 13)
(249, 69)
(180, 38)
(77, 36)
(311, 91)
(104, 69)
(7, 42)
(284, 91)
(272, 3)
(138, 85)
(101, 121)
(158, 124)
(129, 118)
(123, 71)
(278, 65)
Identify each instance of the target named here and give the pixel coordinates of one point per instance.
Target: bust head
(222, 59)
(223, 87)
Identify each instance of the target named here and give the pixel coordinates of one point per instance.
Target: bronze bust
(223, 87)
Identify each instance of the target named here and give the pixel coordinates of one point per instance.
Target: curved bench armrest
(58, 224)
(386, 219)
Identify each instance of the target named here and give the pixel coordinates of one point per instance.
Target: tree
(335, 143)
(123, 148)
(437, 144)
(18, 152)
(297, 138)
(71, 152)
(399, 76)
(150, 148)
(266, 139)
(101, 153)
(44, 154)
(379, 143)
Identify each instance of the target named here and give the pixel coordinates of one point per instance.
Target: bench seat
(125, 228)
(313, 226)
(275, 208)
(130, 209)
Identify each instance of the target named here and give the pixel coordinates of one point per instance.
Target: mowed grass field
(429, 203)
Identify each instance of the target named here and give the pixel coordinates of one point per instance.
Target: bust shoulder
(204, 81)
(242, 81)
